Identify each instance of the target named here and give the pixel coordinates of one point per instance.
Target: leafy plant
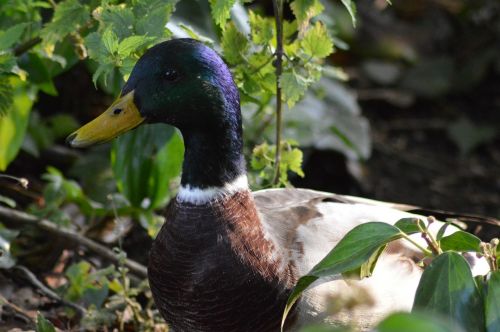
(446, 287)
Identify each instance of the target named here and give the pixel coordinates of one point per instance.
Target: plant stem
(425, 251)
(278, 15)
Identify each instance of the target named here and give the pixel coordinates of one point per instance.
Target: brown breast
(212, 269)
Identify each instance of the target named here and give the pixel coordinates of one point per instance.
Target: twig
(72, 237)
(278, 15)
(26, 46)
(18, 310)
(33, 280)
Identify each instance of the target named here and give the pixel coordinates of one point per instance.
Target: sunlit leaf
(357, 246)
(316, 42)
(221, 11)
(234, 44)
(13, 125)
(461, 241)
(304, 10)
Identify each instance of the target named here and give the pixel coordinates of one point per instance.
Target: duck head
(186, 84)
(180, 82)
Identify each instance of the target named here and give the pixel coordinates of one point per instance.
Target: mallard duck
(227, 259)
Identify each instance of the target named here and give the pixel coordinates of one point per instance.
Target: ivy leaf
(234, 44)
(69, 15)
(12, 35)
(221, 11)
(262, 28)
(316, 42)
(294, 86)
(304, 10)
(131, 44)
(351, 8)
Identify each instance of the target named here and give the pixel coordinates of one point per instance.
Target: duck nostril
(117, 111)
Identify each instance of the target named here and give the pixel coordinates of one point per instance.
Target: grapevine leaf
(221, 11)
(304, 10)
(110, 41)
(262, 29)
(294, 86)
(131, 44)
(120, 19)
(316, 42)
(69, 15)
(234, 44)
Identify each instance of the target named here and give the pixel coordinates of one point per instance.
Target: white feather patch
(199, 196)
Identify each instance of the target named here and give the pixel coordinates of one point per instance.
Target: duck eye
(171, 75)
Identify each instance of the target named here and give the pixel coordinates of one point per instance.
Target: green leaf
(304, 10)
(234, 44)
(294, 86)
(6, 95)
(448, 288)
(357, 247)
(461, 241)
(221, 11)
(468, 136)
(69, 15)
(408, 225)
(95, 46)
(120, 19)
(12, 35)
(6, 236)
(492, 303)
(7, 63)
(13, 125)
(153, 16)
(110, 41)
(351, 8)
(132, 44)
(43, 325)
(416, 322)
(262, 28)
(144, 162)
(316, 42)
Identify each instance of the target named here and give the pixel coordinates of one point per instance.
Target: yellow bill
(120, 117)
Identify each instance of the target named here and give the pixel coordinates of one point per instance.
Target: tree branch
(278, 15)
(18, 217)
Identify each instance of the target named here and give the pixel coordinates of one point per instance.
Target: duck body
(210, 269)
(229, 264)
(227, 259)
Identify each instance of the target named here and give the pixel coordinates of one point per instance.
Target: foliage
(40, 40)
(446, 287)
